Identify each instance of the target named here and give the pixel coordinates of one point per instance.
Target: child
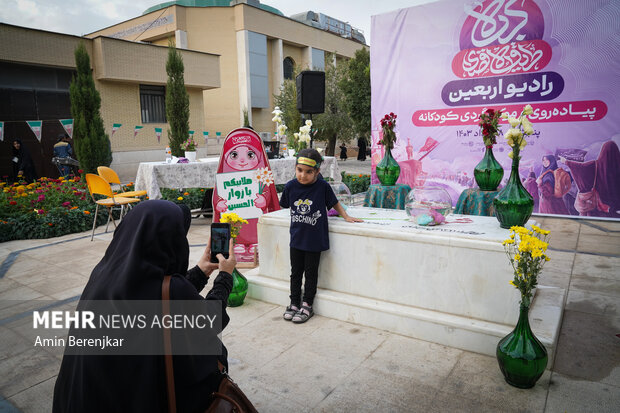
(309, 199)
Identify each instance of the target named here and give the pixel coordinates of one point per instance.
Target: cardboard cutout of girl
(243, 150)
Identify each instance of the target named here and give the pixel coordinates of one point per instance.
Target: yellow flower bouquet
(235, 221)
(526, 250)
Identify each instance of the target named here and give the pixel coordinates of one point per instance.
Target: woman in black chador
(148, 244)
(343, 152)
(361, 144)
(22, 162)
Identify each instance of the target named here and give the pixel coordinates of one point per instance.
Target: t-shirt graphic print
(309, 205)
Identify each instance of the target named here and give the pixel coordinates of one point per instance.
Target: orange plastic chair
(112, 178)
(99, 186)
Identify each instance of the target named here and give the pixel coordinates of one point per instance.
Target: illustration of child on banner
(244, 185)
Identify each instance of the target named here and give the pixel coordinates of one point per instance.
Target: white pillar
(243, 69)
(306, 56)
(277, 65)
(180, 37)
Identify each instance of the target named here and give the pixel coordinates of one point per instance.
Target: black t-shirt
(309, 205)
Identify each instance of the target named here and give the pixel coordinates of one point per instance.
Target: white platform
(448, 284)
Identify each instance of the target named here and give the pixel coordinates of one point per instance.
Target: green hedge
(191, 197)
(355, 182)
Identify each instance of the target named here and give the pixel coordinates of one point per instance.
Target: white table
(449, 284)
(201, 174)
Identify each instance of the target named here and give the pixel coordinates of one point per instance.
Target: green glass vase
(239, 289)
(488, 173)
(387, 169)
(513, 204)
(521, 356)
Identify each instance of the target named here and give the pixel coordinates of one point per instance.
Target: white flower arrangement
(518, 128)
(303, 137)
(277, 118)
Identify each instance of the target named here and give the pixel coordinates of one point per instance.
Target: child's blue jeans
(304, 262)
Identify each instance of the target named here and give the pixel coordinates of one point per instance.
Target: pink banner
(439, 65)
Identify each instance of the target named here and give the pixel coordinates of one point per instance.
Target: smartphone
(220, 239)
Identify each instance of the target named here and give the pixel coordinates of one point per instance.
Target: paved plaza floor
(328, 365)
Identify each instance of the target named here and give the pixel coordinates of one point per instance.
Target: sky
(79, 17)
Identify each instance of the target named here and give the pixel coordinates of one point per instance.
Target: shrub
(191, 197)
(356, 182)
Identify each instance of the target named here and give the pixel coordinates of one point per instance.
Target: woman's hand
(204, 263)
(228, 264)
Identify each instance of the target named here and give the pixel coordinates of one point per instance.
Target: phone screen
(220, 238)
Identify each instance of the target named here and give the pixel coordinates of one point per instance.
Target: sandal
(290, 312)
(303, 315)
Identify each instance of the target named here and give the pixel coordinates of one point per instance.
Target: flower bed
(46, 208)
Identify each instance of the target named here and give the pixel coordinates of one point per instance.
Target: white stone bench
(448, 284)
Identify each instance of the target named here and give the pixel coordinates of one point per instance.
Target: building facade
(257, 45)
(236, 55)
(36, 68)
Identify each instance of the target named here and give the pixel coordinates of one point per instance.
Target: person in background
(22, 162)
(309, 199)
(62, 149)
(361, 144)
(343, 152)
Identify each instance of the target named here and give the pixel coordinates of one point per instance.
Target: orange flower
(50, 224)
(86, 212)
(185, 193)
(360, 175)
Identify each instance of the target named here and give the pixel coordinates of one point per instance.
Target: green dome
(205, 3)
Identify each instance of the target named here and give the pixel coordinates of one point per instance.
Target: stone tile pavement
(328, 365)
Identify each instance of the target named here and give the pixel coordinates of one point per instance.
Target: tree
(335, 123)
(287, 102)
(92, 144)
(177, 101)
(246, 118)
(356, 88)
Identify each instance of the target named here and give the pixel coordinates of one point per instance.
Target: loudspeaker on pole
(310, 91)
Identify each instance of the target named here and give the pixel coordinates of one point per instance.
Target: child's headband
(307, 161)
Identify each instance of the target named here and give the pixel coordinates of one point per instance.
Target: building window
(288, 65)
(153, 104)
